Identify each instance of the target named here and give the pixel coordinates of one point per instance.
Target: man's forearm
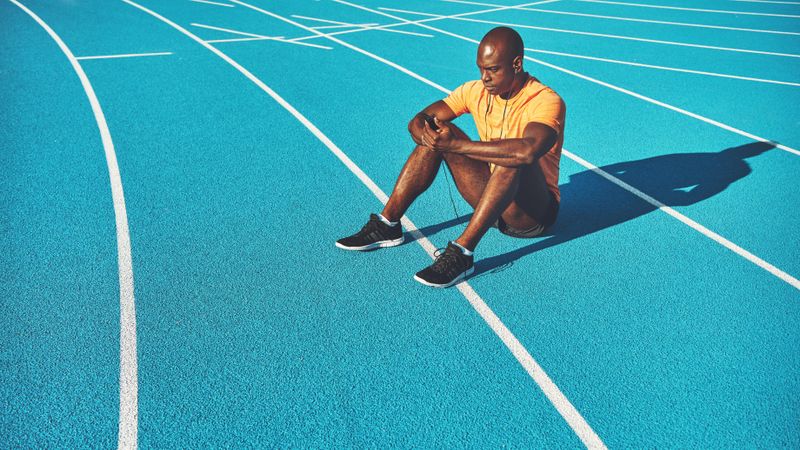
(505, 152)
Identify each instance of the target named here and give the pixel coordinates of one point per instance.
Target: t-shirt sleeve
(550, 110)
(458, 100)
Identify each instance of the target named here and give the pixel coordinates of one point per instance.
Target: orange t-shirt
(535, 102)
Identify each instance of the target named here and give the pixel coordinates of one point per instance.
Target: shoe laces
(370, 226)
(444, 259)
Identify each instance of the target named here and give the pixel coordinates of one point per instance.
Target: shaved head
(500, 56)
(504, 41)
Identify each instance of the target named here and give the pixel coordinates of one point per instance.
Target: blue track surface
(253, 330)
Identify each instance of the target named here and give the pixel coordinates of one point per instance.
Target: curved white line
(128, 378)
(535, 371)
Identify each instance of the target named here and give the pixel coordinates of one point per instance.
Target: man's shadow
(590, 203)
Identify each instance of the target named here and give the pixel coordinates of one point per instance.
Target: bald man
(509, 176)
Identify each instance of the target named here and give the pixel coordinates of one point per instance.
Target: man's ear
(517, 63)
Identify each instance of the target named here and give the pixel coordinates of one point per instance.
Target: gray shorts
(535, 230)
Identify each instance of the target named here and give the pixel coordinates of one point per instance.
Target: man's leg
(518, 195)
(416, 177)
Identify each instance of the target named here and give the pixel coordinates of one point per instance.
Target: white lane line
(792, 281)
(609, 36)
(671, 69)
(677, 8)
(340, 42)
(265, 38)
(633, 19)
(252, 37)
(766, 1)
(331, 27)
(206, 2)
(129, 55)
(128, 366)
(602, 83)
(334, 22)
(268, 38)
(406, 23)
(365, 28)
(716, 237)
(562, 404)
(228, 30)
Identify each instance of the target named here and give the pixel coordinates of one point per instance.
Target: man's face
(497, 70)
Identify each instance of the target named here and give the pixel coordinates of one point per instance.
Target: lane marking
(252, 37)
(128, 366)
(667, 68)
(767, 1)
(562, 404)
(602, 83)
(364, 27)
(236, 32)
(405, 23)
(633, 19)
(129, 55)
(609, 36)
(334, 22)
(330, 27)
(206, 2)
(780, 274)
(677, 8)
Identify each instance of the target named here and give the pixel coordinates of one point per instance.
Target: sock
(463, 250)
(386, 221)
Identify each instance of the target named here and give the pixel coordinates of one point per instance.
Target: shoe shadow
(433, 229)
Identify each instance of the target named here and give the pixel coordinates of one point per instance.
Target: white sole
(379, 244)
(467, 273)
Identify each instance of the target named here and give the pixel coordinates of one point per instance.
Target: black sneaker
(375, 234)
(450, 267)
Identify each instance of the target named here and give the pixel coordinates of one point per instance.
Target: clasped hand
(440, 140)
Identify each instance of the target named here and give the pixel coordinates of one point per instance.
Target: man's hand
(441, 140)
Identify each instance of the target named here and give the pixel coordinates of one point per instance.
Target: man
(509, 177)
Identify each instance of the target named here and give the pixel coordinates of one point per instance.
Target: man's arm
(438, 109)
(537, 139)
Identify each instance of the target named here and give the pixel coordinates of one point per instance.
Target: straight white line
(340, 42)
(236, 32)
(212, 3)
(265, 38)
(671, 69)
(609, 36)
(252, 37)
(363, 27)
(632, 19)
(127, 437)
(767, 1)
(792, 281)
(130, 55)
(602, 83)
(642, 5)
(330, 27)
(405, 23)
(334, 22)
(562, 404)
